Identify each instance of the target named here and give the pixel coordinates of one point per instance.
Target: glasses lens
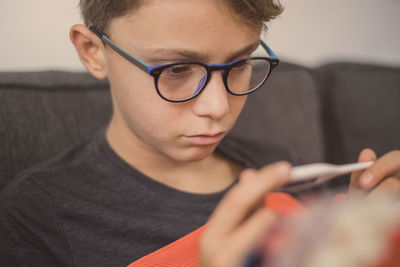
(248, 75)
(181, 81)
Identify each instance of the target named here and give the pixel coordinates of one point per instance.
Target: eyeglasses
(182, 81)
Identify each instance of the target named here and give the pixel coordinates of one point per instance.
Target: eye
(177, 71)
(242, 65)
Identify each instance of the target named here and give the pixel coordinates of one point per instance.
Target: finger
(390, 185)
(251, 233)
(365, 155)
(385, 166)
(246, 196)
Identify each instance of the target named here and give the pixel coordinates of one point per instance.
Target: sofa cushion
(43, 113)
(286, 112)
(361, 109)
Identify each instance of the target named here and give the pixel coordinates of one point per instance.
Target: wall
(34, 34)
(312, 32)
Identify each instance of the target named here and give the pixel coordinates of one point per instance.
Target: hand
(240, 221)
(381, 178)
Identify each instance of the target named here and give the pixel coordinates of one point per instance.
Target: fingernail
(366, 179)
(283, 168)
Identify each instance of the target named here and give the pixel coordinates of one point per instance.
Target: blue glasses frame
(155, 70)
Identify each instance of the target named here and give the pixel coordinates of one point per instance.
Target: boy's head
(158, 32)
(100, 13)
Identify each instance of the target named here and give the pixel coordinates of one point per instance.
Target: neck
(208, 175)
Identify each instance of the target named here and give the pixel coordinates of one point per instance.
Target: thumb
(365, 155)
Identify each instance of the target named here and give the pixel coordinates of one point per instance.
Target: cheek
(136, 100)
(128, 81)
(145, 113)
(148, 120)
(236, 104)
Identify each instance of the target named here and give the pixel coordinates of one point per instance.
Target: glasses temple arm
(269, 50)
(140, 64)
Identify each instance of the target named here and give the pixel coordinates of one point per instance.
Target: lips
(205, 139)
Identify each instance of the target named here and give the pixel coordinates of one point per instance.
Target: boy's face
(163, 31)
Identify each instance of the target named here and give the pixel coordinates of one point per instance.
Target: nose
(213, 100)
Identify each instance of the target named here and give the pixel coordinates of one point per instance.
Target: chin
(195, 153)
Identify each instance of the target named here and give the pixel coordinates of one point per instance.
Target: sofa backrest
(43, 113)
(361, 109)
(325, 114)
(287, 113)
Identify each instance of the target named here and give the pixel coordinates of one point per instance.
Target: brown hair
(101, 12)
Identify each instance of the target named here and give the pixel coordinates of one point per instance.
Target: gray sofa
(327, 113)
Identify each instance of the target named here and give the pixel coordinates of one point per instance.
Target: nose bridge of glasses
(217, 67)
(205, 81)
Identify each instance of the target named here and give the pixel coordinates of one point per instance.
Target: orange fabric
(391, 255)
(283, 204)
(184, 251)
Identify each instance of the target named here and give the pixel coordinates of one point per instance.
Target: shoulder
(73, 156)
(58, 170)
(30, 203)
(23, 201)
(31, 198)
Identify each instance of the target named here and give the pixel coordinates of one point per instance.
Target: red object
(185, 251)
(391, 255)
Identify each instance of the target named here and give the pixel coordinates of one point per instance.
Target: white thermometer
(307, 176)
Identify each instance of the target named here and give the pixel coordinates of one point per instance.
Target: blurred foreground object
(353, 233)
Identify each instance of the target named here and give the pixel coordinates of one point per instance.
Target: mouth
(205, 139)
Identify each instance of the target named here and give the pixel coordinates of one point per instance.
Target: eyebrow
(246, 50)
(194, 55)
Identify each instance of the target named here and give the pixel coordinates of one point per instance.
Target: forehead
(191, 24)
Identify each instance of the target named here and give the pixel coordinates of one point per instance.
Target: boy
(155, 173)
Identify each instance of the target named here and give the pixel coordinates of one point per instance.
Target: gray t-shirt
(88, 207)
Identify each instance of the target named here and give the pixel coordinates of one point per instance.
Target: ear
(90, 50)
